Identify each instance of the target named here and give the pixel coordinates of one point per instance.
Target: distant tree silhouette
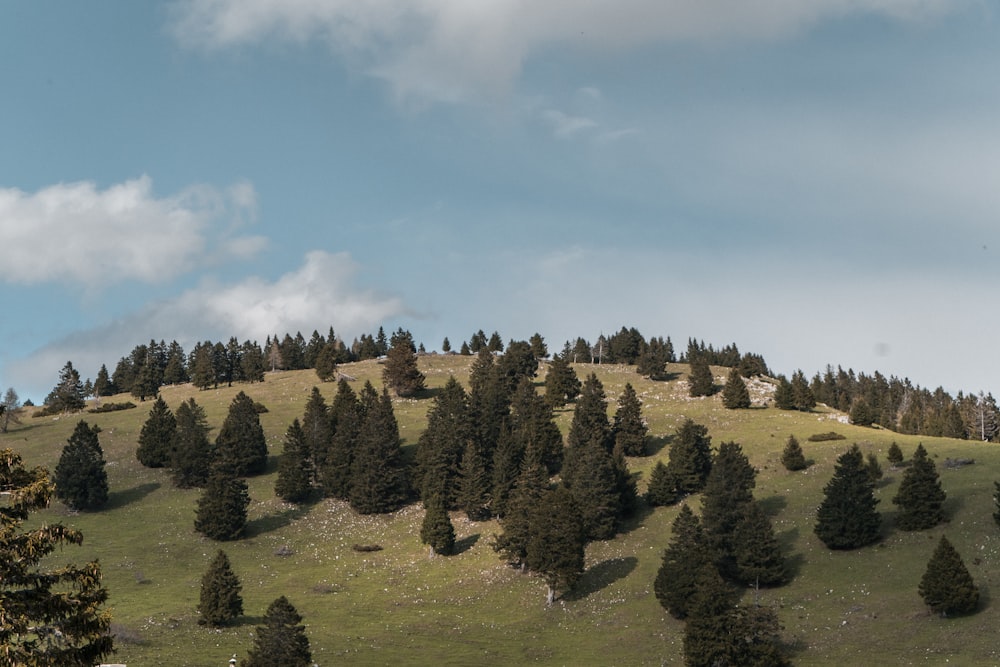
(400, 373)
(561, 383)
(700, 380)
(690, 457)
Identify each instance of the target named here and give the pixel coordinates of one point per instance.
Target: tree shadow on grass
(266, 524)
(602, 575)
(244, 621)
(656, 444)
(772, 505)
(636, 517)
(464, 544)
(118, 499)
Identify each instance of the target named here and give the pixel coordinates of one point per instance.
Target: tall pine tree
(157, 436)
(629, 428)
(241, 443)
(222, 507)
(378, 481)
(847, 518)
(81, 479)
(947, 587)
(675, 582)
(295, 469)
(735, 394)
(920, 495)
(556, 542)
(690, 457)
(220, 600)
(281, 640)
(191, 450)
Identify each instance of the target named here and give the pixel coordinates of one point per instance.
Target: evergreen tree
(533, 427)
(335, 467)
(67, 396)
(802, 395)
(281, 640)
(220, 600)
(595, 491)
(495, 343)
(531, 485)
(947, 587)
(590, 425)
(784, 398)
(874, 468)
(147, 379)
(222, 507)
(561, 383)
(157, 436)
(175, 371)
(516, 363)
(295, 469)
(700, 380)
(556, 542)
(241, 443)
(465, 350)
(326, 362)
(728, 490)
(690, 457)
(861, 413)
(688, 550)
(508, 462)
(202, 370)
(895, 454)
(37, 602)
(378, 476)
(441, 445)
(652, 361)
(436, 530)
(317, 431)
(103, 385)
(80, 477)
(629, 428)
(662, 487)
(474, 483)
(446, 345)
(847, 518)
(708, 633)
(252, 362)
(792, 457)
(191, 451)
(735, 394)
(400, 373)
(920, 495)
(489, 402)
(538, 347)
(757, 555)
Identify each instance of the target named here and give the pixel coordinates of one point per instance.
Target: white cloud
(453, 51)
(77, 234)
(565, 125)
(319, 294)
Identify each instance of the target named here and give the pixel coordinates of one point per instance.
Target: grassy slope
(398, 606)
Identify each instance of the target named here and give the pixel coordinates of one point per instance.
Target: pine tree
(222, 507)
(281, 640)
(561, 382)
(295, 469)
(629, 428)
(191, 451)
(708, 633)
(735, 395)
(345, 418)
(700, 380)
(103, 385)
(595, 491)
(688, 550)
(895, 454)
(220, 600)
(317, 430)
(80, 478)
(556, 542)
(690, 457)
(784, 397)
(474, 483)
(241, 442)
(67, 396)
(792, 457)
(662, 487)
(531, 485)
(947, 587)
(252, 362)
(533, 427)
(436, 531)
(516, 363)
(590, 425)
(400, 373)
(156, 437)
(847, 518)
(756, 553)
(442, 444)
(40, 602)
(326, 362)
(728, 490)
(920, 495)
(508, 463)
(378, 481)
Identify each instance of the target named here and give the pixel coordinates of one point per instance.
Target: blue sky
(817, 182)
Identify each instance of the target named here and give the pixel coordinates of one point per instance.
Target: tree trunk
(550, 596)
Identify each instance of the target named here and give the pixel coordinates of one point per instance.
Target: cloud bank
(77, 234)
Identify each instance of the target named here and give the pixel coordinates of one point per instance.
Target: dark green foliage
(111, 407)
(192, 454)
(175, 370)
(252, 362)
(464, 350)
(556, 541)
(345, 418)
(80, 478)
(436, 530)
(295, 469)
(241, 443)
(920, 495)
(757, 555)
(792, 457)
(474, 483)
(690, 457)
(495, 343)
(802, 395)
(400, 373)
(874, 468)
(687, 552)
(37, 602)
(378, 481)
(533, 428)
(326, 362)
(281, 640)
(222, 507)
(441, 445)
(700, 380)
(538, 346)
(996, 502)
(156, 437)
(595, 491)
(590, 425)
(861, 413)
(629, 428)
(784, 397)
(895, 454)
(653, 359)
(103, 386)
(947, 587)
(489, 402)
(220, 600)
(446, 345)
(735, 394)
(662, 487)
(728, 490)
(530, 487)
(317, 430)
(508, 462)
(826, 437)
(516, 363)
(67, 396)
(847, 518)
(752, 365)
(561, 383)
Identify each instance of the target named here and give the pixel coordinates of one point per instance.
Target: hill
(398, 606)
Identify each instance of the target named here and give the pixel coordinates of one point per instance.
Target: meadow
(398, 606)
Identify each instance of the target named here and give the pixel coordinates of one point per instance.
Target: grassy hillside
(398, 606)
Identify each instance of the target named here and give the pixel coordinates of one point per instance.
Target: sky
(818, 182)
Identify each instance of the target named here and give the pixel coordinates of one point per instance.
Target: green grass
(399, 606)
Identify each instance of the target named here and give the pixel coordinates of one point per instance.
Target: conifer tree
(378, 481)
(326, 362)
(784, 397)
(80, 478)
(662, 487)
(590, 425)
(629, 428)
(561, 382)
(441, 445)
(103, 385)
(345, 416)
(400, 373)
(516, 363)
(728, 490)
(474, 483)
(595, 491)
(157, 436)
(708, 633)
(700, 380)
(847, 518)
(508, 463)
(241, 443)
(222, 507)
(446, 345)
(530, 487)
(533, 427)
(652, 361)
(39, 602)
(317, 430)
(295, 469)
(757, 555)
(690, 457)
(735, 395)
(947, 587)
(920, 495)
(436, 531)
(895, 454)
(874, 468)
(688, 550)
(556, 542)
(281, 640)
(67, 395)
(191, 450)
(220, 600)
(792, 457)
(252, 362)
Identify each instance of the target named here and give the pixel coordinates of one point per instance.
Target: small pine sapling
(793, 458)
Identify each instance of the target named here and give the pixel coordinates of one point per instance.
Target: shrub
(112, 407)
(826, 437)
